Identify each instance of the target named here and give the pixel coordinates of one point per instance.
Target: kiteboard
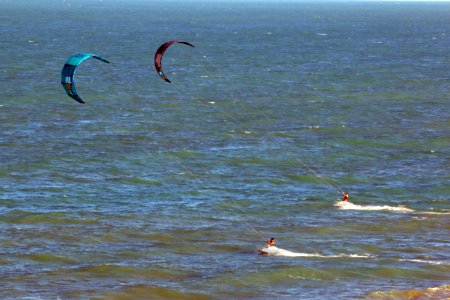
(268, 250)
(262, 252)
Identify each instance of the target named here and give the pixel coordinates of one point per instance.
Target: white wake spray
(426, 261)
(351, 206)
(275, 251)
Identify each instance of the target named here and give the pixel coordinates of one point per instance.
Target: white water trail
(426, 261)
(435, 213)
(350, 206)
(401, 209)
(275, 251)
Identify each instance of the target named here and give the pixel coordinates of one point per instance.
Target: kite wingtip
(79, 100)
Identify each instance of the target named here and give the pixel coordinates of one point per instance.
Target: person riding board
(271, 242)
(345, 199)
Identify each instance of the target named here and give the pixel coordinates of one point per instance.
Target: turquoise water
(166, 190)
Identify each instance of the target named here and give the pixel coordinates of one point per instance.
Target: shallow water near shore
(156, 190)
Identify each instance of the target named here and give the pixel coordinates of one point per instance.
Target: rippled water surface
(156, 190)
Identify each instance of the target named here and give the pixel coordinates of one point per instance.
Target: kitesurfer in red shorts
(271, 242)
(345, 199)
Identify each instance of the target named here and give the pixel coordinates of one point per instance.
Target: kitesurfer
(345, 199)
(271, 242)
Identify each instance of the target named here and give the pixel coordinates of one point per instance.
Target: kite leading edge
(68, 72)
(159, 55)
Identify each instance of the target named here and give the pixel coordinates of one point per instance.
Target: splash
(425, 261)
(351, 206)
(275, 251)
(435, 213)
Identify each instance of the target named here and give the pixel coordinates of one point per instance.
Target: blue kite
(68, 73)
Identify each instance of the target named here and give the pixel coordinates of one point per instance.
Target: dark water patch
(277, 181)
(438, 292)
(7, 203)
(374, 248)
(283, 135)
(226, 248)
(395, 226)
(141, 235)
(25, 217)
(4, 261)
(243, 161)
(287, 273)
(49, 258)
(234, 204)
(406, 273)
(131, 255)
(199, 234)
(276, 275)
(303, 178)
(123, 271)
(150, 292)
(135, 180)
(10, 243)
(104, 238)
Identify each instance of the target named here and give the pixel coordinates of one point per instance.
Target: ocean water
(153, 190)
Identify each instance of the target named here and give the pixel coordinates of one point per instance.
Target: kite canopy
(68, 73)
(159, 55)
